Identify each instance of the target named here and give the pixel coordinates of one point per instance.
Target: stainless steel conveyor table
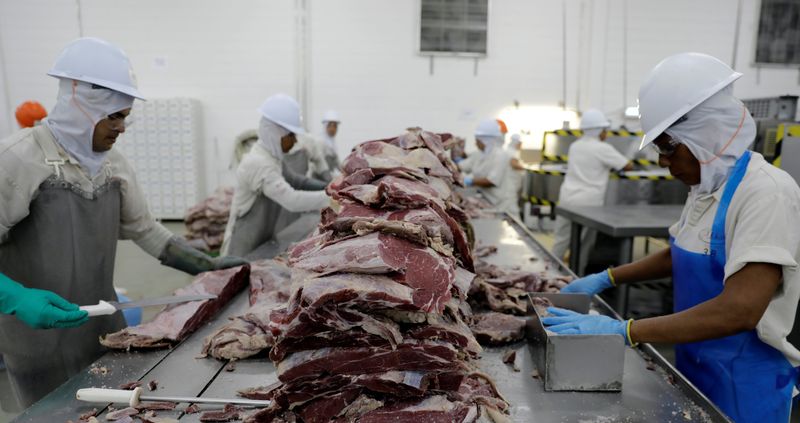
(659, 395)
(620, 221)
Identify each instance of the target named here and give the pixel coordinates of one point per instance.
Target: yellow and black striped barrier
(643, 177)
(541, 201)
(548, 172)
(564, 159)
(783, 131)
(554, 158)
(613, 175)
(645, 162)
(578, 133)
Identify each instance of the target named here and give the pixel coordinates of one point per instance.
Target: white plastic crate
(164, 145)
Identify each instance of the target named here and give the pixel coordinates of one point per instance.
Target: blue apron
(747, 379)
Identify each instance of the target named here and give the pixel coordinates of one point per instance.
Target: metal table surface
(647, 395)
(624, 222)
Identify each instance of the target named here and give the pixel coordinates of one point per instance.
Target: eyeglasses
(668, 149)
(119, 121)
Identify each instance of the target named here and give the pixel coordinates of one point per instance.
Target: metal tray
(575, 362)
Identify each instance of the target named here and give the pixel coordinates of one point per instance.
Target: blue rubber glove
(468, 181)
(458, 160)
(38, 308)
(592, 284)
(566, 322)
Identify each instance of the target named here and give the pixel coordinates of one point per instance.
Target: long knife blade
(149, 302)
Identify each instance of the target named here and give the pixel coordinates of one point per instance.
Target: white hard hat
(594, 119)
(284, 111)
(677, 85)
(488, 128)
(330, 116)
(98, 62)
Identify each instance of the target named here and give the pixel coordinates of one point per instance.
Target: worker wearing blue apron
(734, 270)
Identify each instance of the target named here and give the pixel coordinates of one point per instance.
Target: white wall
(362, 61)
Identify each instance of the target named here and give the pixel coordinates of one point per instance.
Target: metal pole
(736, 33)
(624, 54)
(564, 54)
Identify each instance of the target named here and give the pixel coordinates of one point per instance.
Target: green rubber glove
(38, 308)
(178, 254)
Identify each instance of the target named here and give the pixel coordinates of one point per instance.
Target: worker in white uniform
(262, 192)
(491, 168)
(514, 148)
(66, 197)
(330, 126)
(733, 254)
(590, 161)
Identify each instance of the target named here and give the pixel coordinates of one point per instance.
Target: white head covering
(516, 140)
(593, 132)
(489, 142)
(717, 132)
(78, 109)
(269, 135)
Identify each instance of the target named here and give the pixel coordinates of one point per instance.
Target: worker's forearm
(482, 182)
(741, 305)
(705, 321)
(655, 266)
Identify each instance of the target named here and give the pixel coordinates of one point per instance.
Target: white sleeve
(271, 183)
(14, 203)
(765, 231)
(467, 164)
(500, 166)
(612, 158)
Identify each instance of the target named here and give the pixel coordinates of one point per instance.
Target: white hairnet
(593, 132)
(489, 142)
(717, 132)
(78, 109)
(269, 135)
(516, 140)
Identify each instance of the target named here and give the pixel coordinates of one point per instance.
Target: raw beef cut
(393, 192)
(411, 355)
(382, 157)
(177, 321)
(423, 269)
(493, 328)
(206, 221)
(424, 225)
(248, 334)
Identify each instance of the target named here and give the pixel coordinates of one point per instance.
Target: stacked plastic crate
(164, 145)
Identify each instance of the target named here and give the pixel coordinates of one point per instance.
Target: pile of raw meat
(500, 294)
(206, 221)
(376, 327)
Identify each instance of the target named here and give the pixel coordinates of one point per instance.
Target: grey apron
(67, 245)
(266, 217)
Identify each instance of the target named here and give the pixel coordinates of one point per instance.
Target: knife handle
(100, 309)
(116, 396)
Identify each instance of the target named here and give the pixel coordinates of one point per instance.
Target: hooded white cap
(78, 109)
(488, 132)
(717, 132)
(269, 135)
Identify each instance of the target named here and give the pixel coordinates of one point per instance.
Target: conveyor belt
(647, 395)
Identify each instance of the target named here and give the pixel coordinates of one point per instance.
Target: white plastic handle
(100, 309)
(116, 396)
